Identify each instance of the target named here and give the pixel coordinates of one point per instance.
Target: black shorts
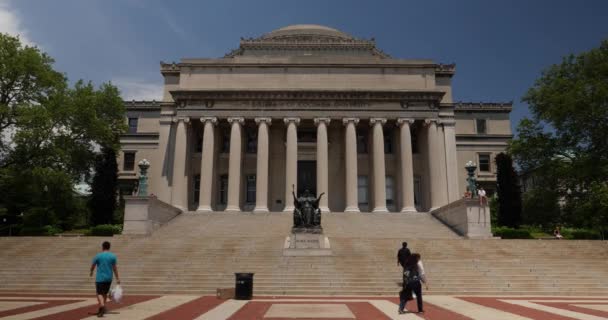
(102, 287)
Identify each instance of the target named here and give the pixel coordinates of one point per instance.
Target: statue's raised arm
(295, 198)
(319, 199)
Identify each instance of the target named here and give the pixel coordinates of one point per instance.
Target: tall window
(252, 141)
(133, 125)
(224, 189)
(197, 187)
(225, 141)
(481, 125)
(362, 189)
(128, 163)
(250, 198)
(414, 134)
(484, 162)
(307, 135)
(390, 191)
(199, 144)
(361, 142)
(388, 141)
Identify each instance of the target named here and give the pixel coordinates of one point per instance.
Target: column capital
(184, 119)
(296, 121)
(402, 121)
(448, 122)
(212, 120)
(320, 120)
(238, 120)
(345, 121)
(380, 121)
(430, 120)
(267, 120)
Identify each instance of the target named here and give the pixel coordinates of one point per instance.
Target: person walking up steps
(105, 262)
(403, 254)
(413, 275)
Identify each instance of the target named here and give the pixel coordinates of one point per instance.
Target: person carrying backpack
(413, 276)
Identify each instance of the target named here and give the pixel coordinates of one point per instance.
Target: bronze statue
(306, 214)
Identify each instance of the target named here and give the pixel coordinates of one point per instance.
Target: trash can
(244, 286)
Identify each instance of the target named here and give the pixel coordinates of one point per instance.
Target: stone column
(436, 162)
(379, 166)
(407, 165)
(350, 144)
(234, 165)
(322, 162)
(291, 161)
(207, 163)
(162, 189)
(179, 196)
(261, 178)
(451, 160)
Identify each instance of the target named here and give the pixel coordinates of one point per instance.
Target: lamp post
(471, 180)
(142, 190)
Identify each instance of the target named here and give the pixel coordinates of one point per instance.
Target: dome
(306, 30)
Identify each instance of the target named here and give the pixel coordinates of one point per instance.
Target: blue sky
(499, 47)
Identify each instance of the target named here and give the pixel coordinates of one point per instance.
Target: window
(390, 191)
(225, 142)
(361, 142)
(199, 144)
(307, 135)
(414, 141)
(362, 189)
(252, 141)
(481, 125)
(224, 189)
(388, 142)
(197, 187)
(484, 162)
(250, 198)
(129, 161)
(133, 125)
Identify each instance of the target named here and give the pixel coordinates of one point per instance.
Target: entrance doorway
(307, 176)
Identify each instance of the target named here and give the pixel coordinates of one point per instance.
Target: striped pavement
(191, 307)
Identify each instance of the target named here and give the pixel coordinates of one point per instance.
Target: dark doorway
(307, 176)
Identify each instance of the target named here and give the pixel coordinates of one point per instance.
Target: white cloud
(137, 89)
(10, 22)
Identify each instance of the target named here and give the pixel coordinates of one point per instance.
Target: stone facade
(318, 109)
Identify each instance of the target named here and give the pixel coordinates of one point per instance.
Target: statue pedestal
(307, 244)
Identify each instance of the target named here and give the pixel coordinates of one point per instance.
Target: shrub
(580, 234)
(510, 233)
(47, 230)
(106, 230)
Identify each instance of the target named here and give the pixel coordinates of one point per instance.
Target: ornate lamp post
(143, 165)
(471, 180)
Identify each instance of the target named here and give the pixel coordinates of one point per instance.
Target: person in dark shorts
(403, 254)
(413, 276)
(105, 262)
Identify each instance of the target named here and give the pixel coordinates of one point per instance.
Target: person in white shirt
(481, 193)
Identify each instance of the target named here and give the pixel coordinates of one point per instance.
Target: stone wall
(143, 215)
(466, 217)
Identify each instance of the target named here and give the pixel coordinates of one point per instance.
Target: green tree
(49, 133)
(103, 201)
(509, 193)
(564, 142)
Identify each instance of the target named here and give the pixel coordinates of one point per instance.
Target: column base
(202, 209)
(289, 209)
(409, 210)
(260, 210)
(179, 207)
(352, 209)
(380, 210)
(233, 209)
(324, 209)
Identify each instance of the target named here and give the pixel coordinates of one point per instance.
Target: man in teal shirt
(105, 261)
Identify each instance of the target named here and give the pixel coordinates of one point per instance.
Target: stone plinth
(307, 244)
(467, 217)
(143, 215)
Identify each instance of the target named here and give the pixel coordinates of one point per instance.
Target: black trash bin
(244, 286)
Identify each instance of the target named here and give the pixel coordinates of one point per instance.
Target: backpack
(411, 274)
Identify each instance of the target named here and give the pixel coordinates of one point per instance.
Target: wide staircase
(197, 253)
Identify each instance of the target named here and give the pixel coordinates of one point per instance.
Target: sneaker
(401, 312)
(100, 312)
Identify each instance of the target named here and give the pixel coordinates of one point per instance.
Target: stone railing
(143, 215)
(466, 217)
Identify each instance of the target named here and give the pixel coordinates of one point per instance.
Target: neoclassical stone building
(315, 108)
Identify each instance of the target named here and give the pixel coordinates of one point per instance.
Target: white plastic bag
(116, 293)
